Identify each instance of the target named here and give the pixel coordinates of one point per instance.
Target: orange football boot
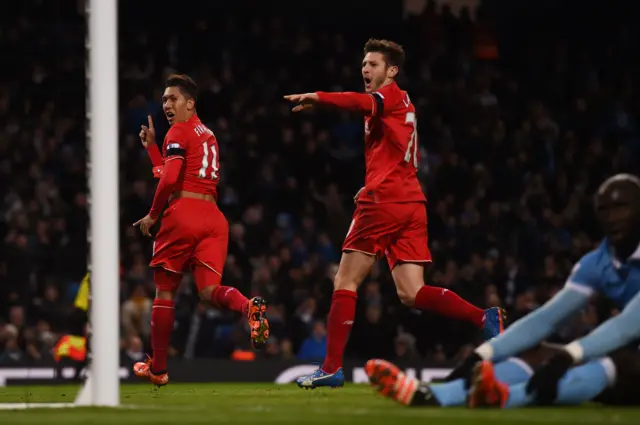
(258, 323)
(387, 379)
(143, 370)
(486, 390)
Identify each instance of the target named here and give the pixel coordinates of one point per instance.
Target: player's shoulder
(594, 262)
(392, 92)
(177, 132)
(394, 98)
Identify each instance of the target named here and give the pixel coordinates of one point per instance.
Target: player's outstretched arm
(536, 326)
(352, 101)
(533, 328)
(615, 333)
(526, 332)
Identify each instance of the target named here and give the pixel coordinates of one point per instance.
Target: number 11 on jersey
(215, 165)
(412, 148)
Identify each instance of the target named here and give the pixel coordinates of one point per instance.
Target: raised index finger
(150, 122)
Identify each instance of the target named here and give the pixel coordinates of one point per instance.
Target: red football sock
(449, 304)
(229, 298)
(162, 317)
(339, 323)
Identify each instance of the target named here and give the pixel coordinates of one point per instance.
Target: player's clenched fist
(148, 134)
(304, 101)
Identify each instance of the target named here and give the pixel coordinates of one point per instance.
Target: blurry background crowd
(522, 113)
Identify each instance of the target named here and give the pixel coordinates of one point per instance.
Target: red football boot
(143, 370)
(387, 379)
(258, 323)
(486, 390)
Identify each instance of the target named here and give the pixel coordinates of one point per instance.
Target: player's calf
(227, 297)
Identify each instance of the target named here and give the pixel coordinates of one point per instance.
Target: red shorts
(396, 230)
(193, 231)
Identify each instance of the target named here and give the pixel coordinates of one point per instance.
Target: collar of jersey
(616, 262)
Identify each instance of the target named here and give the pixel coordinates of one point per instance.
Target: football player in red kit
(194, 232)
(390, 218)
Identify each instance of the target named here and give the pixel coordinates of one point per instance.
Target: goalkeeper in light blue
(603, 366)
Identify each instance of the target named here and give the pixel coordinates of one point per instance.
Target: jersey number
(412, 149)
(215, 165)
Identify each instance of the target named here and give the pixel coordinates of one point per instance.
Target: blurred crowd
(516, 131)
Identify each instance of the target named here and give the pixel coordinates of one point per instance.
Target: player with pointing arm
(391, 216)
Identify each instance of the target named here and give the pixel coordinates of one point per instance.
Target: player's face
(177, 108)
(376, 72)
(618, 211)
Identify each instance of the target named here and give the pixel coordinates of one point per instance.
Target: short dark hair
(187, 86)
(393, 52)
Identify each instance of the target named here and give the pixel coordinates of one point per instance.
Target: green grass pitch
(183, 404)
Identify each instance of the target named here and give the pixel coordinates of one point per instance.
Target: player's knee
(407, 296)
(344, 283)
(205, 293)
(164, 295)
(409, 279)
(354, 267)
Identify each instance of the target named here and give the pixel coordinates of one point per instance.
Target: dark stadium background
(522, 113)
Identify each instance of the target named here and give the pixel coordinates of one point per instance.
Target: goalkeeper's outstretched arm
(535, 327)
(532, 329)
(615, 333)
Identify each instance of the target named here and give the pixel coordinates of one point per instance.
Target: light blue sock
(453, 393)
(580, 384)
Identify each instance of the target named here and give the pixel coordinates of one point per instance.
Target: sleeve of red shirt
(352, 101)
(166, 186)
(173, 161)
(154, 155)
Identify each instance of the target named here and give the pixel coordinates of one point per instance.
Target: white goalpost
(102, 385)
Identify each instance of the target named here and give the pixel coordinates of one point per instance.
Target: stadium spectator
(518, 136)
(314, 347)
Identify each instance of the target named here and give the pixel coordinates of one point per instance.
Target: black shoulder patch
(175, 150)
(379, 103)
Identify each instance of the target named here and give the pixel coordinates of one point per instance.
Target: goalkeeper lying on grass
(604, 366)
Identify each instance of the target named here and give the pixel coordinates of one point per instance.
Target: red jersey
(391, 149)
(391, 143)
(191, 162)
(197, 146)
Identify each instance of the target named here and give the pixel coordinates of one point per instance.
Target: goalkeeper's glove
(544, 383)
